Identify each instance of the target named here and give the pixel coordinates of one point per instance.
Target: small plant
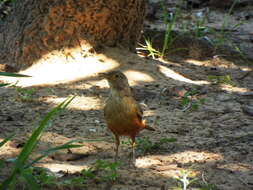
(200, 29)
(226, 79)
(170, 21)
(88, 173)
(149, 48)
(25, 95)
(145, 145)
(43, 177)
(109, 169)
(47, 179)
(221, 37)
(21, 166)
(73, 182)
(102, 171)
(186, 178)
(225, 24)
(188, 102)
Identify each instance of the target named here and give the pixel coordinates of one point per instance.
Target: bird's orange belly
(130, 129)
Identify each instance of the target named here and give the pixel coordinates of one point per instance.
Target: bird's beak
(103, 75)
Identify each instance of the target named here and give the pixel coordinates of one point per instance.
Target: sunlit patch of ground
(176, 76)
(63, 167)
(79, 103)
(237, 167)
(136, 77)
(182, 158)
(57, 68)
(234, 89)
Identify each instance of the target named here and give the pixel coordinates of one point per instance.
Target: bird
(122, 113)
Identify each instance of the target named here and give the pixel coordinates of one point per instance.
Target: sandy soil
(214, 142)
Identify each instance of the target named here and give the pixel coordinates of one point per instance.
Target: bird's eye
(117, 76)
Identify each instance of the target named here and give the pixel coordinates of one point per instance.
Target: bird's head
(116, 79)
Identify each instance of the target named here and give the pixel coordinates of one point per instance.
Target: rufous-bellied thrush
(122, 113)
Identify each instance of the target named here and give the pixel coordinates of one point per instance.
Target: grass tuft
(20, 166)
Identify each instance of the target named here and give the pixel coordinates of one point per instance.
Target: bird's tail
(149, 128)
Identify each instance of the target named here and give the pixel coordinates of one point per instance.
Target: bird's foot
(132, 161)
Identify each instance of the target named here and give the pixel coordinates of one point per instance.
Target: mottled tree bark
(38, 27)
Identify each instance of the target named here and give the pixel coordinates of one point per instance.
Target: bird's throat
(120, 93)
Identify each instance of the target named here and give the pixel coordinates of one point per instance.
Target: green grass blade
(67, 102)
(169, 28)
(167, 140)
(67, 145)
(32, 141)
(64, 146)
(7, 74)
(30, 180)
(4, 84)
(6, 140)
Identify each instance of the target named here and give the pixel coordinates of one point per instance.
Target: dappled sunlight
(63, 167)
(181, 163)
(214, 62)
(167, 167)
(59, 69)
(8, 150)
(234, 89)
(194, 62)
(87, 85)
(136, 76)
(79, 102)
(237, 167)
(176, 76)
(170, 170)
(147, 161)
(181, 157)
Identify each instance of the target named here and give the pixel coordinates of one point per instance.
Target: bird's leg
(133, 145)
(117, 143)
(133, 150)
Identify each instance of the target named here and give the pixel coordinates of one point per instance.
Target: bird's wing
(139, 111)
(139, 115)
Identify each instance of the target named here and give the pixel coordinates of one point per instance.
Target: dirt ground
(214, 144)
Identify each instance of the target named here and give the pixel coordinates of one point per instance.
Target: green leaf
(185, 101)
(1, 163)
(87, 173)
(195, 106)
(4, 84)
(32, 141)
(67, 145)
(7, 74)
(27, 174)
(202, 100)
(167, 140)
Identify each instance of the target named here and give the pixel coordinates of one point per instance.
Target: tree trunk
(38, 27)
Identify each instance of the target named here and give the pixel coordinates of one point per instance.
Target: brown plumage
(122, 113)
